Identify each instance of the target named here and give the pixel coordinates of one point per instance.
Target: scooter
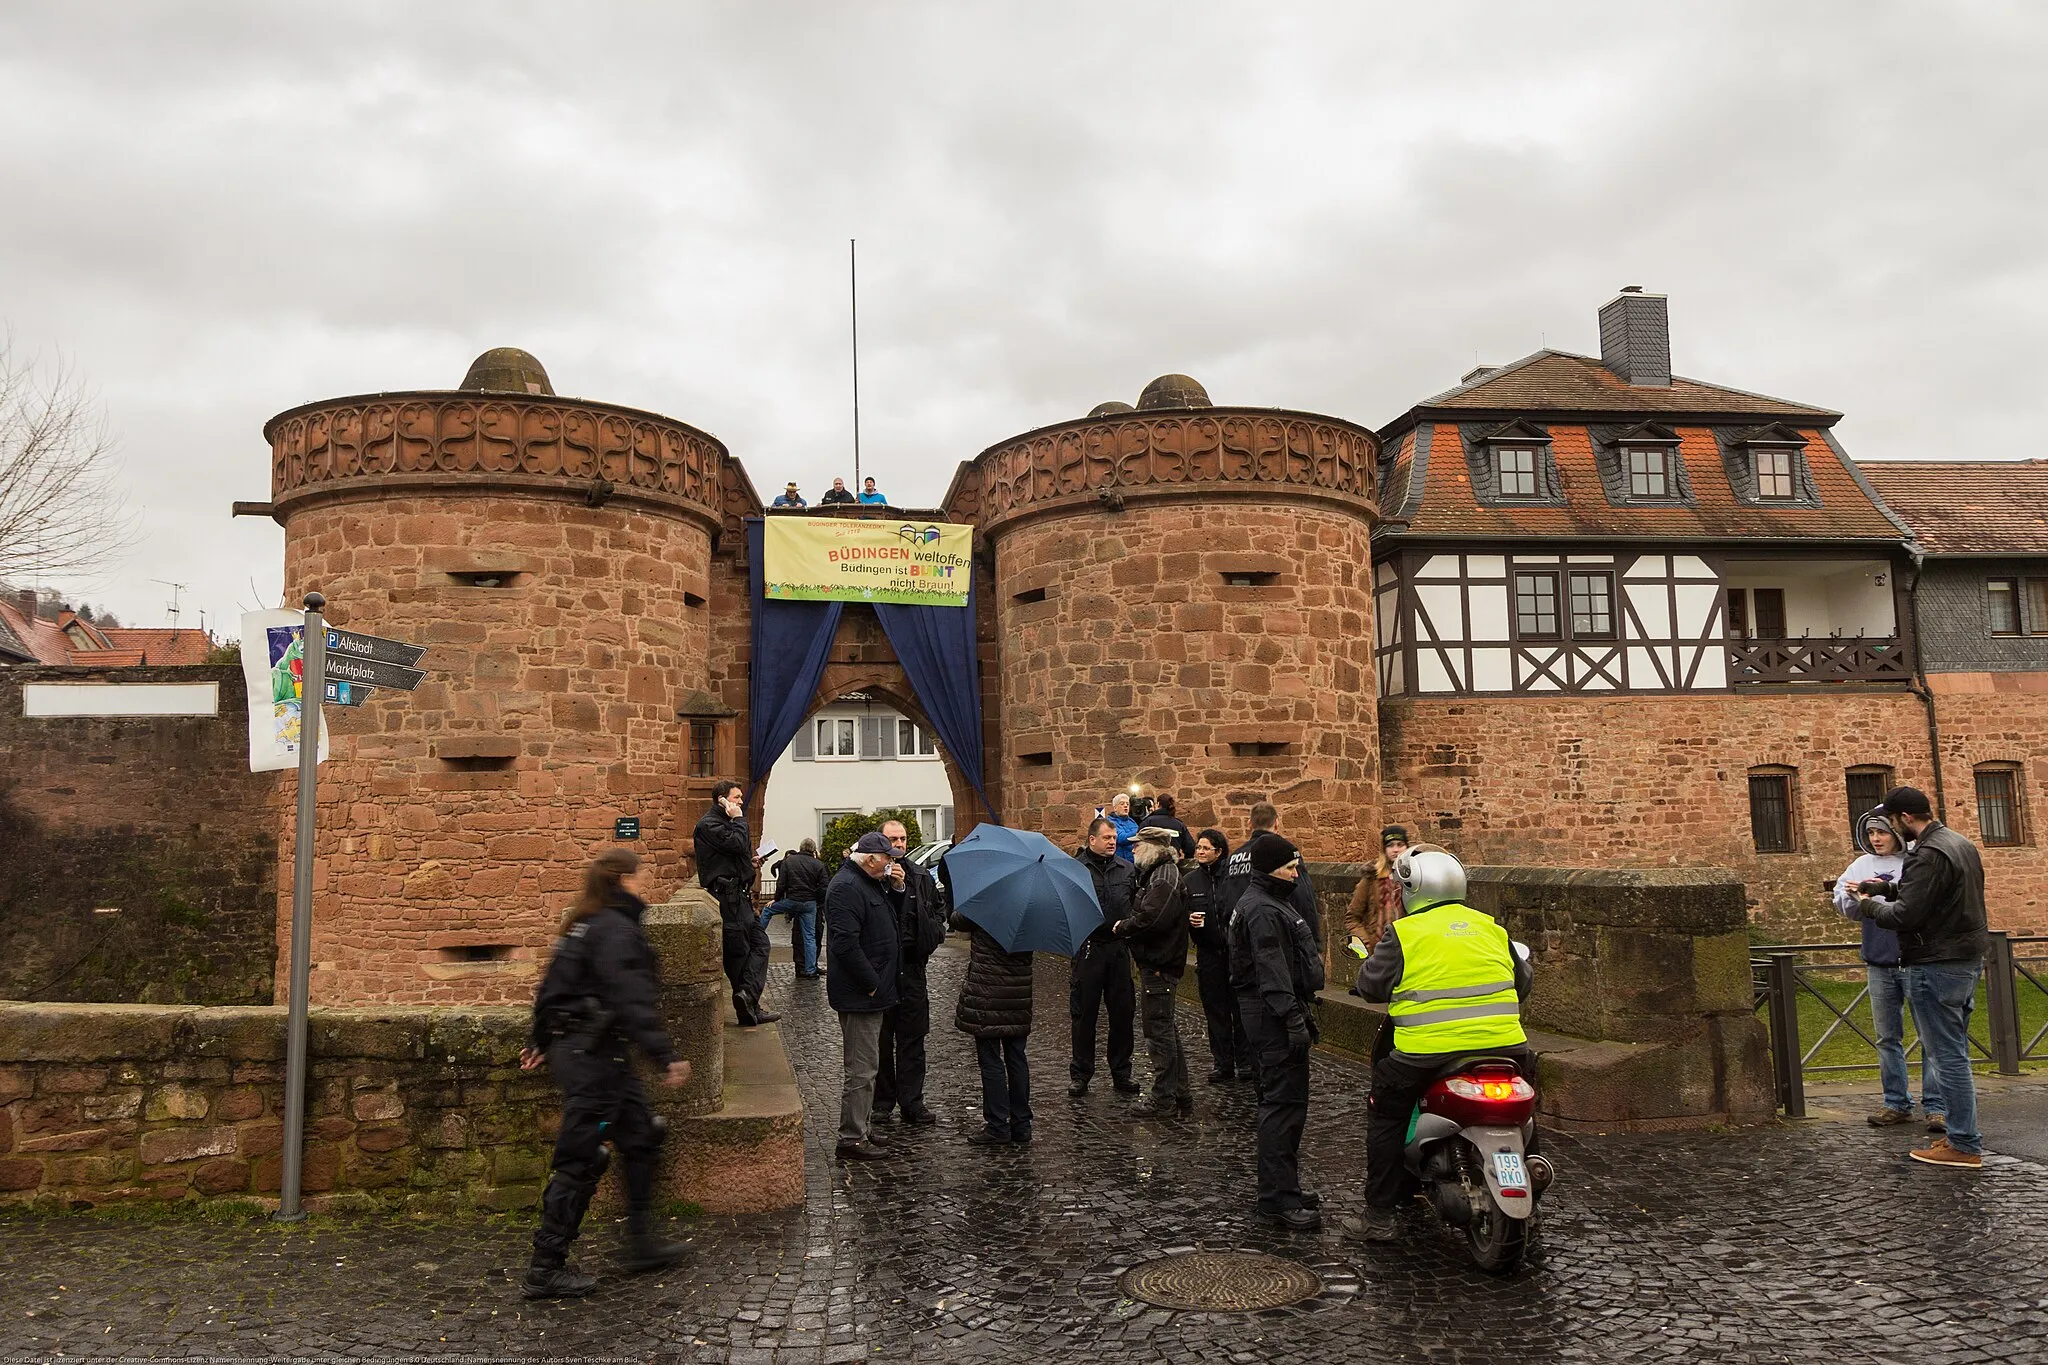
(1468, 1145)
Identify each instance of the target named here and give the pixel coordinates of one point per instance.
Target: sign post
(294, 1153)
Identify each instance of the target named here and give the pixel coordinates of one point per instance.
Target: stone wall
(456, 821)
(1639, 782)
(158, 817)
(1127, 658)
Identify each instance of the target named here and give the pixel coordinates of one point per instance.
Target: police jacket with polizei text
(1238, 874)
(725, 854)
(606, 959)
(1114, 883)
(1273, 956)
(1939, 913)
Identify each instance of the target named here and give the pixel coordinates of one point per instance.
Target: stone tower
(553, 555)
(1184, 603)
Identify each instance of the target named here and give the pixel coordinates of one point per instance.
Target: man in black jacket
(1265, 818)
(866, 958)
(1157, 931)
(1102, 969)
(799, 889)
(1162, 816)
(921, 928)
(1277, 968)
(1937, 910)
(725, 868)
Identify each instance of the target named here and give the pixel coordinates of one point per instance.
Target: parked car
(927, 857)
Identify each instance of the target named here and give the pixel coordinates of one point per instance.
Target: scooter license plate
(1509, 1171)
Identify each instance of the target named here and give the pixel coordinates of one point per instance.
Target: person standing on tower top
(870, 496)
(838, 492)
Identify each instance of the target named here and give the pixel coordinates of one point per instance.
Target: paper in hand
(767, 850)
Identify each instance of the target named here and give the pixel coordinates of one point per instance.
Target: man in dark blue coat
(866, 954)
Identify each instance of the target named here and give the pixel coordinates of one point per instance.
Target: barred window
(1647, 474)
(1517, 466)
(1866, 789)
(1770, 809)
(1998, 803)
(703, 748)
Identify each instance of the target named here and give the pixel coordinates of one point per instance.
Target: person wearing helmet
(1453, 985)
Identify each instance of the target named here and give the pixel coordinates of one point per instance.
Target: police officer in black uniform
(1277, 968)
(725, 868)
(1101, 973)
(602, 993)
(920, 928)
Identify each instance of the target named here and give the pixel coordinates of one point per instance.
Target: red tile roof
(1449, 508)
(1968, 507)
(163, 646)
(45, 640)
(1558, 381)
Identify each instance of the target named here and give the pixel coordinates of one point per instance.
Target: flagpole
(853, 297)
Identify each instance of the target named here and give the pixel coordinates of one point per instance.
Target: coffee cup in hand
(1198, 918)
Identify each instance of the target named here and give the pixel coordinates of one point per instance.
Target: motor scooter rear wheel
(1497, 1242)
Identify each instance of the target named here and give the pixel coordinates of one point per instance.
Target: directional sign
(375, 648)
(374, 672)
(348, 693)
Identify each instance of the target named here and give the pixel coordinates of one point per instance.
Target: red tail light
(1495, 1088)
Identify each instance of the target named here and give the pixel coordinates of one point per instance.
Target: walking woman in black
(600, 997)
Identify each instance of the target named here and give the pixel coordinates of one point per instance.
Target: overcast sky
(219, 211)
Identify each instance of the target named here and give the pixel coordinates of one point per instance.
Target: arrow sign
(376, 673)
(375, 648)
(348, 693)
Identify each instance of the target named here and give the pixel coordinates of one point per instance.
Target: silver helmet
(1428, 877)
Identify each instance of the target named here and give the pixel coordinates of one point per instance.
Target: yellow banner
(917, 563)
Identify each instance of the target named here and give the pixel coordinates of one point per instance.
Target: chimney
(1635, 338)
(25, 599)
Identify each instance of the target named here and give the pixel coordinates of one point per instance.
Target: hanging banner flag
(274, 665)
(922, 564)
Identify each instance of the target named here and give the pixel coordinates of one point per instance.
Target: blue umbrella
(1020, 887)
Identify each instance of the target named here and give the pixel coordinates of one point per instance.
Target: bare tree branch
(62, 512)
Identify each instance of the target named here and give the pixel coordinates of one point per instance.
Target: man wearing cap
(865, 955)
(790, 497)
(1937, 910)
(1276, 967)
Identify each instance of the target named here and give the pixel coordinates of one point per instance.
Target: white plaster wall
(799, 790)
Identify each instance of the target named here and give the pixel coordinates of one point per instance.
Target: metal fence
(2015, 968)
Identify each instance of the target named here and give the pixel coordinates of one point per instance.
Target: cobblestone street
(1818, 1241)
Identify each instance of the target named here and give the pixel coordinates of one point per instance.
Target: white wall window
(934, 822)
(826, 817)
(836, 737)
(914, 741)
(1517, 471)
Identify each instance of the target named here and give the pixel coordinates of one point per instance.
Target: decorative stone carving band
(461, 438)
(1133, 454)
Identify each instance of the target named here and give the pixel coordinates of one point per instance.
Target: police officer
(920, 928)
(1453, 984)
(1276, 968)
(1101, 973)
(601, 993)
(725, 868)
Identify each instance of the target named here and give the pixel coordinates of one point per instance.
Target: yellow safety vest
(1457, 987)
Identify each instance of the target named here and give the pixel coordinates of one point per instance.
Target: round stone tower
(1184, 600)
(553, 555)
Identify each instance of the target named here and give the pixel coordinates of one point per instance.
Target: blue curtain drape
(936, 647)
(791, 642)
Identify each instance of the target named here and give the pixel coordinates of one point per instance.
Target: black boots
(556, 1282)
(747, 1008)
(644, 1250)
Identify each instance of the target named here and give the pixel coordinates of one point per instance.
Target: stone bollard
(686, 933)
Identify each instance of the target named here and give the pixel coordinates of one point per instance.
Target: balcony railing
(1842, 659)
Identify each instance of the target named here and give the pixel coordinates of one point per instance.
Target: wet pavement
(1789, 1243)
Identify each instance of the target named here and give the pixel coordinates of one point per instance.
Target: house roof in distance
(1968, 507)
(1560, 382)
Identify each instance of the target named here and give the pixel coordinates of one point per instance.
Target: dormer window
(1649, 474)
(1516, 468)
(1773, 474)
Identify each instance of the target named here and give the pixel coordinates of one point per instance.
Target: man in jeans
(1880, 858)
(1937, 910)
(799, 885)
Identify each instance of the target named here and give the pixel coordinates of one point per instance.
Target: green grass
(1840, 985)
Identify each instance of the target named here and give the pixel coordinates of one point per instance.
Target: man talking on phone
(725, 867)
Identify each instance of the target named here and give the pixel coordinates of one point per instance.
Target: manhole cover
(1221, 1282)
